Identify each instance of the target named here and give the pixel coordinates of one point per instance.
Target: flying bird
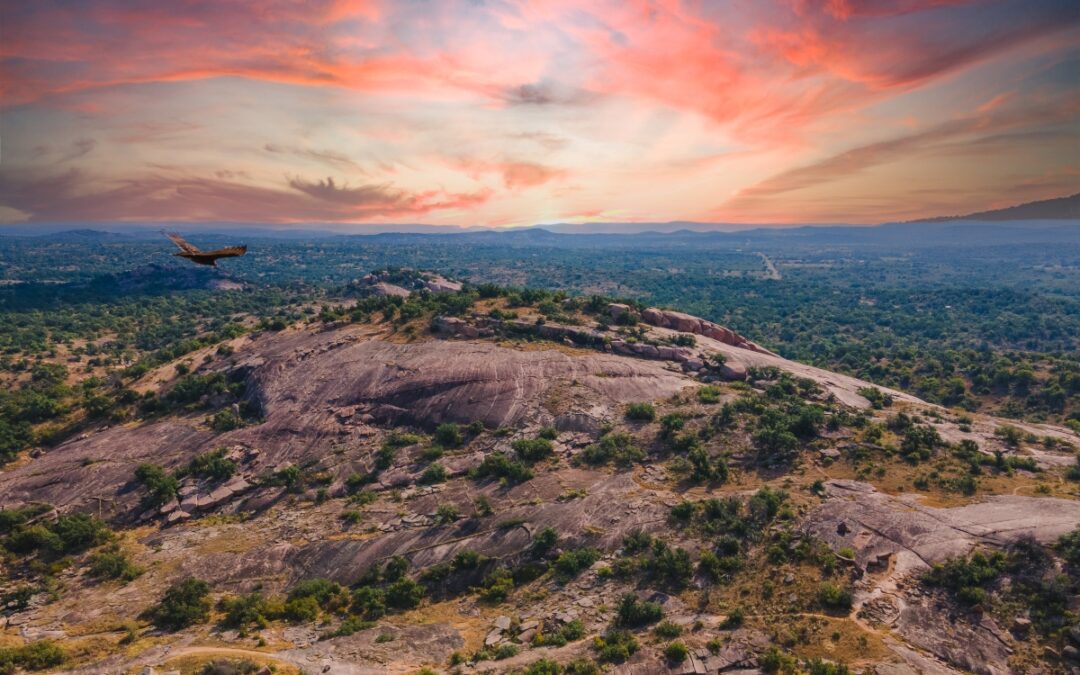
(203, 257)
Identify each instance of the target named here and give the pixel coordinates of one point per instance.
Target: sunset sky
(496, 113)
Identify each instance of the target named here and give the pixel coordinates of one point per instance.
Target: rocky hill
(477, 484)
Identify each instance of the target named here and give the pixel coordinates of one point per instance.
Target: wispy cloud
(660, 108)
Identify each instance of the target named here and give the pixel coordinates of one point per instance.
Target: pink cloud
(73, 195)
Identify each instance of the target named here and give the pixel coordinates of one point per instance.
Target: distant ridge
(1061, 208)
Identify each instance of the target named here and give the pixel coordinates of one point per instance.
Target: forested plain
(990, 326)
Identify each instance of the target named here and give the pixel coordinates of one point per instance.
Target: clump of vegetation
(967, 578)
(113, 563)
(667, 630)
(386, 587)
(561, 635)
(708, 394)
(635, 613)
(833, 596)
(434, 473)
(38, 655)
(449, 435)
(213, 465)
(160, 485)
(532, 449)
(571, 563)
(615, 646)
(641, 412)
(498, 465)
(878, 399)
(185, 603)
(68, 534)
(615, 447)
(676, 652)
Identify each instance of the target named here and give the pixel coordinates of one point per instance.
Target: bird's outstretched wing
(228, 252)
(179, 241)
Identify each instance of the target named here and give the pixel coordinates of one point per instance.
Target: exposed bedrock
(314, 388)
(876, 525)
(686, 323)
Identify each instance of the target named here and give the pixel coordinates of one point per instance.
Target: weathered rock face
(685, 323)
(610, 508)
(95, 473)
(385, 289)
(438, 284)
(303, 380)
(877, 525)
(896, 538)
(427, 383)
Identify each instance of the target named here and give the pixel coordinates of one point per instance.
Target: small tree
(185, 603)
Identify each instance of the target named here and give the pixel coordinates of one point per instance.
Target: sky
(513, 113)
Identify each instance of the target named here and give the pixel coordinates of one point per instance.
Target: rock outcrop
(686, 323)
(303, 380)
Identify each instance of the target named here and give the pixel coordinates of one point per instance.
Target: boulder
(732, 372)
(439, 284)
(617, 309)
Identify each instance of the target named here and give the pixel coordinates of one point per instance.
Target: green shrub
(1068, 546)
(641, 412)
(447, 513)
(543, 667)
(548, 433)
(671, 424)
(327, 593)
(734, 619)
(498, 465)
(483, 506)
(562, 635)
(352, 516)
(636, 541)
(919, 442)
(497, 585)
(449, 435)
(670, 567)
(544, 542)
(434, 473)
(705, 468)
(816, 666)
(708, 394)
(775, 661)
(34, 656)
(404, 594)
(581, 667)
(184, 603)
(532, 449)
(369, 602)
(967, 578)
(67, 534)
(615, 646)
(571, 563)
(833, 596)
(244, 611)
(634, 613)
(667, 630)
(302, 609)
(160, 486)
(618, 448)
(225, 420)
(212, 465)
(676, 652)
(401, 439)
(113, 563)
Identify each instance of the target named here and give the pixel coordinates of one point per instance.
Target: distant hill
(1061, 208)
